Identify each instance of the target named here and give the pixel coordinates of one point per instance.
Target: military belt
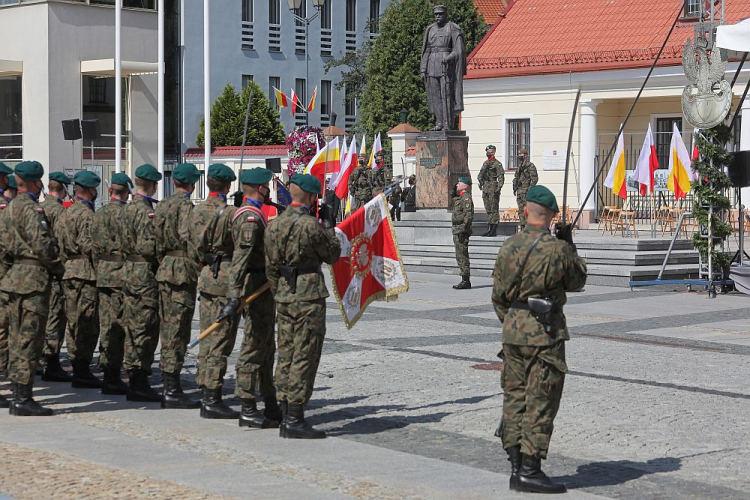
(29, 262)
(261, 270)
(77, 256)
(112, 258)
(518, 304)
(139, 258)
(176, 253)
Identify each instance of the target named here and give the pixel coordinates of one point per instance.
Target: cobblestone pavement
(654, 407)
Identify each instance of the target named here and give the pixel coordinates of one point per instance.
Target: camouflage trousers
(302, 328)
(216, 348)
(111, 331)
(4, 330)
(28, 319)
(255, 362)
(532, 379)
(521, 201)
(491, 199)
(360, 201)
(176, 309)
(140, 318)
(462, 255)
(82, 311)
(56, 322)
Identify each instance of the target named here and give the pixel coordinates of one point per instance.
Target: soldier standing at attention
(140, 300)
(463, 216)
(55, 334)
(106, 233)
(7, 193)
(212, 235)
(360, 185)
(533, 272)
(525, 178)
(247, 274)
(177, 277)
(491, 179)
(395, 199)
(35, 260)
(379, 174)
(79, 281)
(296, 245)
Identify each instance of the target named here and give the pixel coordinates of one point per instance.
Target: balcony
(248, 36)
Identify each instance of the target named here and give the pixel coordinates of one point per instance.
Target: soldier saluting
(532, 273)
(491, 179)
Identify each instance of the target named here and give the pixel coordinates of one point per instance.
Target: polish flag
(347, 167)
(647, 164)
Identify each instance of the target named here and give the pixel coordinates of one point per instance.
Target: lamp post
(293, 6)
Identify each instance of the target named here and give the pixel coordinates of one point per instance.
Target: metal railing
(248, 36)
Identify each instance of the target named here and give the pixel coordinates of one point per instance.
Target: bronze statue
(443, 67)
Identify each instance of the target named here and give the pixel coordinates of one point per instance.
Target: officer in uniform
(533, 272)
(360, 185)
(107, 237)
(246, 275)
(380, 174)
(140, 299)
(6, 195)
(35, 260)
(410, 195)
(212, 236)
(463, 216)
(55, 334)
(296, 245)
(395, 199)
(526, 177)
(491, 179)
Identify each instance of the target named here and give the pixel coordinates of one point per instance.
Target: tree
(228, 119)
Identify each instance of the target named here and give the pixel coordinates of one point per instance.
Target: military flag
(616, 177)
(681, 174)
(347, 167)
(281, 98)
(311, 104)
(647, 164)
(370, 266)
(376, 146)
(283, 196)
(326, 161)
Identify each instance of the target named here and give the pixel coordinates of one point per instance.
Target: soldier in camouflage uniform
(525, 178)
(296, 245)
(396, 198)
(5, 263)
(55, 334)
(360, 185)
(177, 277)
(491, 179)
(534, 264)
(107, 238)
(35, 260)
(463, 217)
(379, 174)
(140, 300)
(246, 275)
(211, 232)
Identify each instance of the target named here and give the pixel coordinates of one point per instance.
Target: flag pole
(118, 88)
(160, 100)
(206, 85)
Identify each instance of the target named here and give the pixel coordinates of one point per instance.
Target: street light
(293, 6)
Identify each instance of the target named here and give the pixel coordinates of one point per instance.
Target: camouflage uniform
(491, 179)
(55, 333)
(361, 182)
(534, 366)
(246, 274)
(526, 177)
(379, 177)
(177, 277)
(79, 282)
(463, 216)
(140, 302)
(210, 223)
(295, 238)
(5, 262)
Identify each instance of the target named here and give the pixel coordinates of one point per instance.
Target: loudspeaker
(739, 169)
(71, 129)
(274, 165)
(90, 130)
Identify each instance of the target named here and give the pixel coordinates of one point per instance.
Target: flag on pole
(363, 147)
(281, 98)
(647, 164)
(376, 146)
(283, 196)
(348, 208)
(370, 266)
(295, 102)
(616, 177)
(311, 104)
(327, 160)
(681, 172)
(696, 153)
(347, 167)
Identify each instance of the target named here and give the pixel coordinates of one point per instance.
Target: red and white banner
(370, 267)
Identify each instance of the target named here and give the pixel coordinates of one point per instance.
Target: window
(97, 90)
(300, 89)
(325, 97)
(350, 103)
(247, 11)
(519, 137)
(374, 16)
(11, 132)
(664, 127)
(326, 15)
(301, 12)
(692, 8)
(274, 12)
(246, 79)
(273, 82)
(351, 15)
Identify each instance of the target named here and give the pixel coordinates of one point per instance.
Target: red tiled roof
(549, 36)
(403, 128)
(490, 9)
(229, 151)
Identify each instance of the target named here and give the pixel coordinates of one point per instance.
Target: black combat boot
(4, 403)
(514, 457)
(294, 425)
(464, 285)
(112, 383)
(213, 407)
(82, 376)
(273, 411)
(531, 479)
(23, 404)
(174, 397)
(251, 416)
(489, 230)
(493, 231)
(53, 372)
(139, 388)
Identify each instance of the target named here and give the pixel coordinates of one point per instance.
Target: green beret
(465, 179)
(490, 146)
(542, 196)
(5, 169)
(59, 177)
(12, 183)
(122, 180)
(186, 173)
(221, 172)
(87, 179)
(380, 154)
(30, 170)
(307, 183)
(148, 173)
(257, 175)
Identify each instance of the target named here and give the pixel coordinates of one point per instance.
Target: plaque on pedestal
(442, 157)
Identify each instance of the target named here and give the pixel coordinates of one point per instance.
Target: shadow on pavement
(617, 472)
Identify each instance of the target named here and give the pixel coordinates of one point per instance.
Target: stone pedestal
(441, 158)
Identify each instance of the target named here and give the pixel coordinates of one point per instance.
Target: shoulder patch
(250, 219)
(39, 210)
(151, 215)
(3, 205)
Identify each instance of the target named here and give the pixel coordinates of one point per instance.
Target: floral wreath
(302, 144)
